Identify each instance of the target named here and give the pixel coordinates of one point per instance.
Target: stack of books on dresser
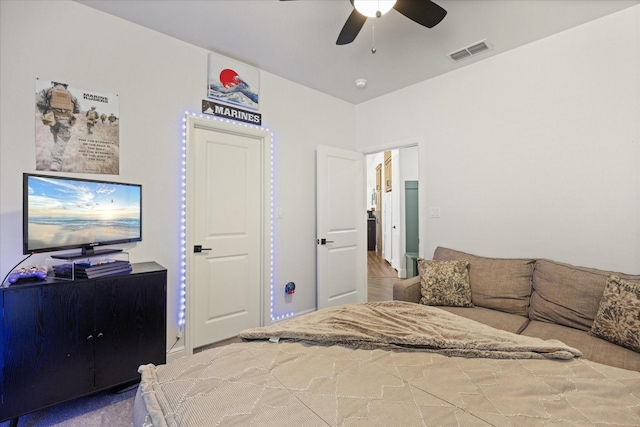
(90, 270)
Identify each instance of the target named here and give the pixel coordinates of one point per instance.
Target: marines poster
(77, 130)
(232, 82)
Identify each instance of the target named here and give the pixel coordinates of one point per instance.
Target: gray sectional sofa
(536, 297)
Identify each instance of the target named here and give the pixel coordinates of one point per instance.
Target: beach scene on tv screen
(65, 212)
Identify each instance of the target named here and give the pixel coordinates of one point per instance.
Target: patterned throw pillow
(618, 317)
(444, 283)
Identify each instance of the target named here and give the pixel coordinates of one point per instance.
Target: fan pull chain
(373, 39)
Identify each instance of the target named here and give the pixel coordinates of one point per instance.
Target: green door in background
(411, 226)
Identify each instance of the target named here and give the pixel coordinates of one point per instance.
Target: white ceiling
(296, 39)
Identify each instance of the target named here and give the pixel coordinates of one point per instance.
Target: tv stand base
(86, 254)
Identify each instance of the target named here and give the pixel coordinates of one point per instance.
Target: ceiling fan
(424, 12)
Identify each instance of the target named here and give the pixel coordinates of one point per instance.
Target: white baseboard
(176, 353)
(300, 313)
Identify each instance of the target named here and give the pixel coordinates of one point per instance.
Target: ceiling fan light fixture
(371, 8)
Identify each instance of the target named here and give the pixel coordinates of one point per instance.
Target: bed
(386, 364)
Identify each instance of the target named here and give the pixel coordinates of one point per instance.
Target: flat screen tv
(61, 213)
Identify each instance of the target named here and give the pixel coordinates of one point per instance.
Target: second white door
(341, 220)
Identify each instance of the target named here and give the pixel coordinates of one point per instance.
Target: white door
(387, 218)
(225, 201)
(396, 226)
(341, 220)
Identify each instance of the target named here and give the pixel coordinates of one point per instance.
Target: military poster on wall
(76, 130)
(232, 82)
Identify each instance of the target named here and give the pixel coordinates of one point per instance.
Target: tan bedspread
(259, 383)
(410, 326)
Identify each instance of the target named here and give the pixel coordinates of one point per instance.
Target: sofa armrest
(407, 290)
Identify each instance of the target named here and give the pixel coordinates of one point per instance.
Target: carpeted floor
(100, 410)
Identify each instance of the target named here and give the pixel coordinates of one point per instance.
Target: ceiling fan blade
(424, 12)
(351, 28)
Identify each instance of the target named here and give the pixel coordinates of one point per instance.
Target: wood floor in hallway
(381, 277)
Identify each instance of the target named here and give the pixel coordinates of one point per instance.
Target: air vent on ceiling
(470, 50)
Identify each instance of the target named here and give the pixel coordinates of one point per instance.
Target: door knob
(199, 248)
(324, 241)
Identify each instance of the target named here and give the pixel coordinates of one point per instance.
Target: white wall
(531, 153)
(408, 164)
(157, 79)
(373, 160)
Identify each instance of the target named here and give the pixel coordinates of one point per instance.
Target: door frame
(266, 212)
(397, 145)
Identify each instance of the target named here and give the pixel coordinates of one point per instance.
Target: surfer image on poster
(233, 83)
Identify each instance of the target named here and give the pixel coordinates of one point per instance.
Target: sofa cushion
(444, 283)
(592, 348)
(496, 319)
(618, 317)
(568, 295)
(407, 290)
(499, 283)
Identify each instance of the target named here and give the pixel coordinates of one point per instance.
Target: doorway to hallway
(388, 173)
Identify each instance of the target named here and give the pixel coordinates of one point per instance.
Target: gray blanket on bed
(409, 326)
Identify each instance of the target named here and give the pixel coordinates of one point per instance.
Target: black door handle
(198, 248)
(324, 241)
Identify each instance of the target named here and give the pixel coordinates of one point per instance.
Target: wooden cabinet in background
(387, 171)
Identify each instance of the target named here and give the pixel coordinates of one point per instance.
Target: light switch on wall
(434, 211)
